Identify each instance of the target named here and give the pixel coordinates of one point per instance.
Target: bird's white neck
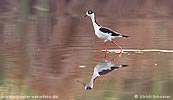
(91, 83)
(95, 24)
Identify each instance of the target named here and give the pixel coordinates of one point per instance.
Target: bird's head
(89, 13)
(88, 86)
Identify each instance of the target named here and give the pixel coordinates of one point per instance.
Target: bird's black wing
(105, 30)
(103, 72)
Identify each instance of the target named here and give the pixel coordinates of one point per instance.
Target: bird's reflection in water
(102, 68)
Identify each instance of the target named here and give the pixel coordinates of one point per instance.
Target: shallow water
(39, 58)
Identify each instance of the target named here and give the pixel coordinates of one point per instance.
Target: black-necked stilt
(101, 68)
(104, 33)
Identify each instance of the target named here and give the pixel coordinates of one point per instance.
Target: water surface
(41, 58)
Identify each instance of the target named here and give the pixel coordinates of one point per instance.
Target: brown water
(43, 56)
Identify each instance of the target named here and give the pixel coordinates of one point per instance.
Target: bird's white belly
(103, 36)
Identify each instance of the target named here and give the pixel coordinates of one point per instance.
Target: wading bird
(104, 33)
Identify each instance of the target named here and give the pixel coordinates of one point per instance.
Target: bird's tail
(120, 66)
(124, 65)
(125, 36)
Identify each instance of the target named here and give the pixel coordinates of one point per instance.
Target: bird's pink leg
(118, 47)
(106, 48)
(115, 58)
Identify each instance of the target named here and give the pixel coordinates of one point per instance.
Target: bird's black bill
(85, 16)
(81, 82)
